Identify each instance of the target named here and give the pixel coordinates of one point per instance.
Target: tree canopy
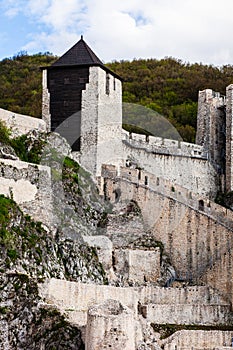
(167, 86)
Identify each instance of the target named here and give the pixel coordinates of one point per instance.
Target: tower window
(114, 84)
(82, 80)
(201, 205)
(66, 81)
(107, 83)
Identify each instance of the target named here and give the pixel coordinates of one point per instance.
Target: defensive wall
(215, 131)
(198, 340)
(196, 233)
(179, 162)
(21, 124)
(189, 305)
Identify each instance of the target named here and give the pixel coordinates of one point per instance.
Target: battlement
(170, 190)
(159, 145)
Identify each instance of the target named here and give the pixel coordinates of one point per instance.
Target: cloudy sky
(191, 30)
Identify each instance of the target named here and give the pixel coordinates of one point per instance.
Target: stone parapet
(20, 124)
(160, 145)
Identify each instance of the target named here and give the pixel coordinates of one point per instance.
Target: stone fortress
(172, 183)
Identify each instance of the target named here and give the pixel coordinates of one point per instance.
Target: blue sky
(191, 30)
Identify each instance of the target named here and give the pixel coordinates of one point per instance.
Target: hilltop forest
(168, 86)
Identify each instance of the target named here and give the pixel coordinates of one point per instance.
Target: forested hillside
(20, 82)
(168, 86)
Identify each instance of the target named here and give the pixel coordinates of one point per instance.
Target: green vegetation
(135, 129)
(168, 86)
(225, 199)
(20, 145)
(16, 239)
(20, 88)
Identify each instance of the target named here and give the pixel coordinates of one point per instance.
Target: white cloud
(192, 30)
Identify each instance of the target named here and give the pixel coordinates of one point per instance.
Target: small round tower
(110, 326)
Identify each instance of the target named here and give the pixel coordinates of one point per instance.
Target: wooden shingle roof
(79, 54)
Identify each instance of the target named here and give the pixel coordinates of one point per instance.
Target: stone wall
(197, 340)
(220, 275)
(151, 182)
(197, 305)
(178, 166)
(211, 124)
(75, 298)
(137, 266)
(229, 138)
(187, 314)
(21, 124)
(164, 146)
(30, 186)
(196, 234)
(101, 121)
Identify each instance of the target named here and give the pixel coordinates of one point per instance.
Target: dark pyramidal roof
(79, 54)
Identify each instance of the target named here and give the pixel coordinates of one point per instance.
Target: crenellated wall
(196, 233)
(179, 162)
(164, 146)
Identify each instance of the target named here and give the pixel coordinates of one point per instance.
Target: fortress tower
(215, 132)
(82, 100)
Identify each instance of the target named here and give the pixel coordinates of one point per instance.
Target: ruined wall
(30, 186)
(186, 165)
(21, 124)
(101, 121)
(199, 340)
